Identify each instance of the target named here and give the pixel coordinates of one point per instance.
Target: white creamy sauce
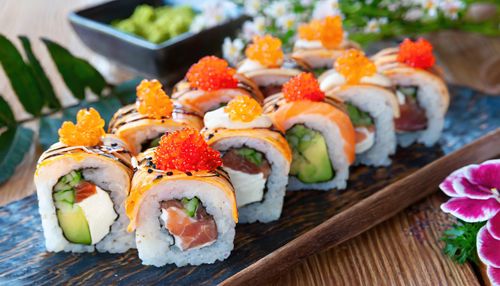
(249, 65)
(336, 79)
(401, 97)
(249, 188)
(220, 119)
(305, 44)
(100, 214)
(367, 142)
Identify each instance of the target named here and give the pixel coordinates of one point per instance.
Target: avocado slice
(357, 116)
(311, 162)
(74, 225)
(251, 155)
(190, 205)
(71, 217)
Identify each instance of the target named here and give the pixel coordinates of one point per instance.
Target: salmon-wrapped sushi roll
(142, 124)
(211, 83)
(267, 66)
(82, 183)
(421, 92)
(321, 42)
(321, 135)
(182, 205)
(369, 102)
(256, 157)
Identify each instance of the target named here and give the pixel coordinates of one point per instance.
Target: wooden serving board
(310, 220)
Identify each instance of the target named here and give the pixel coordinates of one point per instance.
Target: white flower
(252, 7)
(324, 8)
(253, 28)
(451, 8)
(430, 7)
(277, 9)
(232, 51)
(414, 14)
(287, 22)
(373, 26)
(306, 2)
(213, 13)
(393, 7)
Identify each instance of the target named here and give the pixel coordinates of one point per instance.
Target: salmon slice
(190, 232)
(413, 117)
(360, 136)
(84, 190)
(305, 107)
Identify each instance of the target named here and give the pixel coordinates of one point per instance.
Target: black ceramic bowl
(167, 61)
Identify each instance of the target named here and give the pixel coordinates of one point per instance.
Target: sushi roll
(154, 113)
(211, 83)
(82, 183)
(320, 42)
(369, 102)
(421, 92)
(256, 157)
(182, 205)
(319, 132)
(267, 65)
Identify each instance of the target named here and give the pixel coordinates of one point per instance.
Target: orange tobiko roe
(354, 65)
(303, 87)
(152, 100)
(211, 73)
(266, 50)
(87, 131)
(186, 151)
(243, 108)
(328, 31)
(416, 54)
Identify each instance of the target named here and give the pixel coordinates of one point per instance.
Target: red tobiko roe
(186, 151)
(303, 87)
(416, 54)
(211, 73)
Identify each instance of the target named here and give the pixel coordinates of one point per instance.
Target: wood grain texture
(388, 255)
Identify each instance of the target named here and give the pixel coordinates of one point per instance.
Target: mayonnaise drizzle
(249, 65)
(220, 119)
(305, 44)
(336, 79)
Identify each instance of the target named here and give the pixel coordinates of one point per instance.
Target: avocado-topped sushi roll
(182, 205)
(369, 102)
(82, 183)
(256, 158)
(267, 65)
(320, 42)
(211, 83)
(320, 134)
(142, 124)
(421, 92)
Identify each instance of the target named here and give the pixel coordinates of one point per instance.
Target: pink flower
(488, 250)
(474, 192)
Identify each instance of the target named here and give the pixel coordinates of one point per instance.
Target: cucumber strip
(67, 195)
(190, 205)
